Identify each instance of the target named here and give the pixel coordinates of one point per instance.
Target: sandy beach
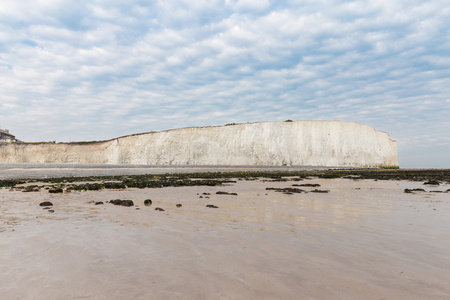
(364, 239)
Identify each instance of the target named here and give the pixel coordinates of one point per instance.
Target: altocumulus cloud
(72, 70)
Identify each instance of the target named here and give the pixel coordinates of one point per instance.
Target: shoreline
(93, 172)
(48, 170)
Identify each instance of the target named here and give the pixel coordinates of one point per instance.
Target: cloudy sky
(99, 69)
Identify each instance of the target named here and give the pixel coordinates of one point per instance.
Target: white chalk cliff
(300, 143)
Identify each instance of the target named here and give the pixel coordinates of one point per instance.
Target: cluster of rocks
(429, 182)
(292, 190)
(147, 202)
(121, 202)
(47, 205)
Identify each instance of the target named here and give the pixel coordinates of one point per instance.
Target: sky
(100, 69)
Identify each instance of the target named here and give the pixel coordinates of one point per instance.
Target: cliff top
(196, 127)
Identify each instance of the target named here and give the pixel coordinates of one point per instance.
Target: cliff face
(301, 143)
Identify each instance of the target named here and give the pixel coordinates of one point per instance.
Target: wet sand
(365, 239)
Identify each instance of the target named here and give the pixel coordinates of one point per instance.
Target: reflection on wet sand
(364, 239)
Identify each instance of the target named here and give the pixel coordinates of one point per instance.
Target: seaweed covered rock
(114, 185)
(31, 188)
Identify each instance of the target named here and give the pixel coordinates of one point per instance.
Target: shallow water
(364, 239)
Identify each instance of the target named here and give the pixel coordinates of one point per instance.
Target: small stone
(51, 211)
(159, 209)
(99, 203)
(46, 203)
(148, 202)
(211, 206)
(179, 205)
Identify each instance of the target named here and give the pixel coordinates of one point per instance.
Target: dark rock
(432, 182)
(46, 207)
(46, 203)
(307, 184)
(286, 190)
(99, 203)
(211, 206)
(51, 211)
(225, 193)
(414, 190)
(159, 209)
(179, 205)
(206, 193)
(148, 202)
(122, 202)
(319, 191)
(55, 190)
